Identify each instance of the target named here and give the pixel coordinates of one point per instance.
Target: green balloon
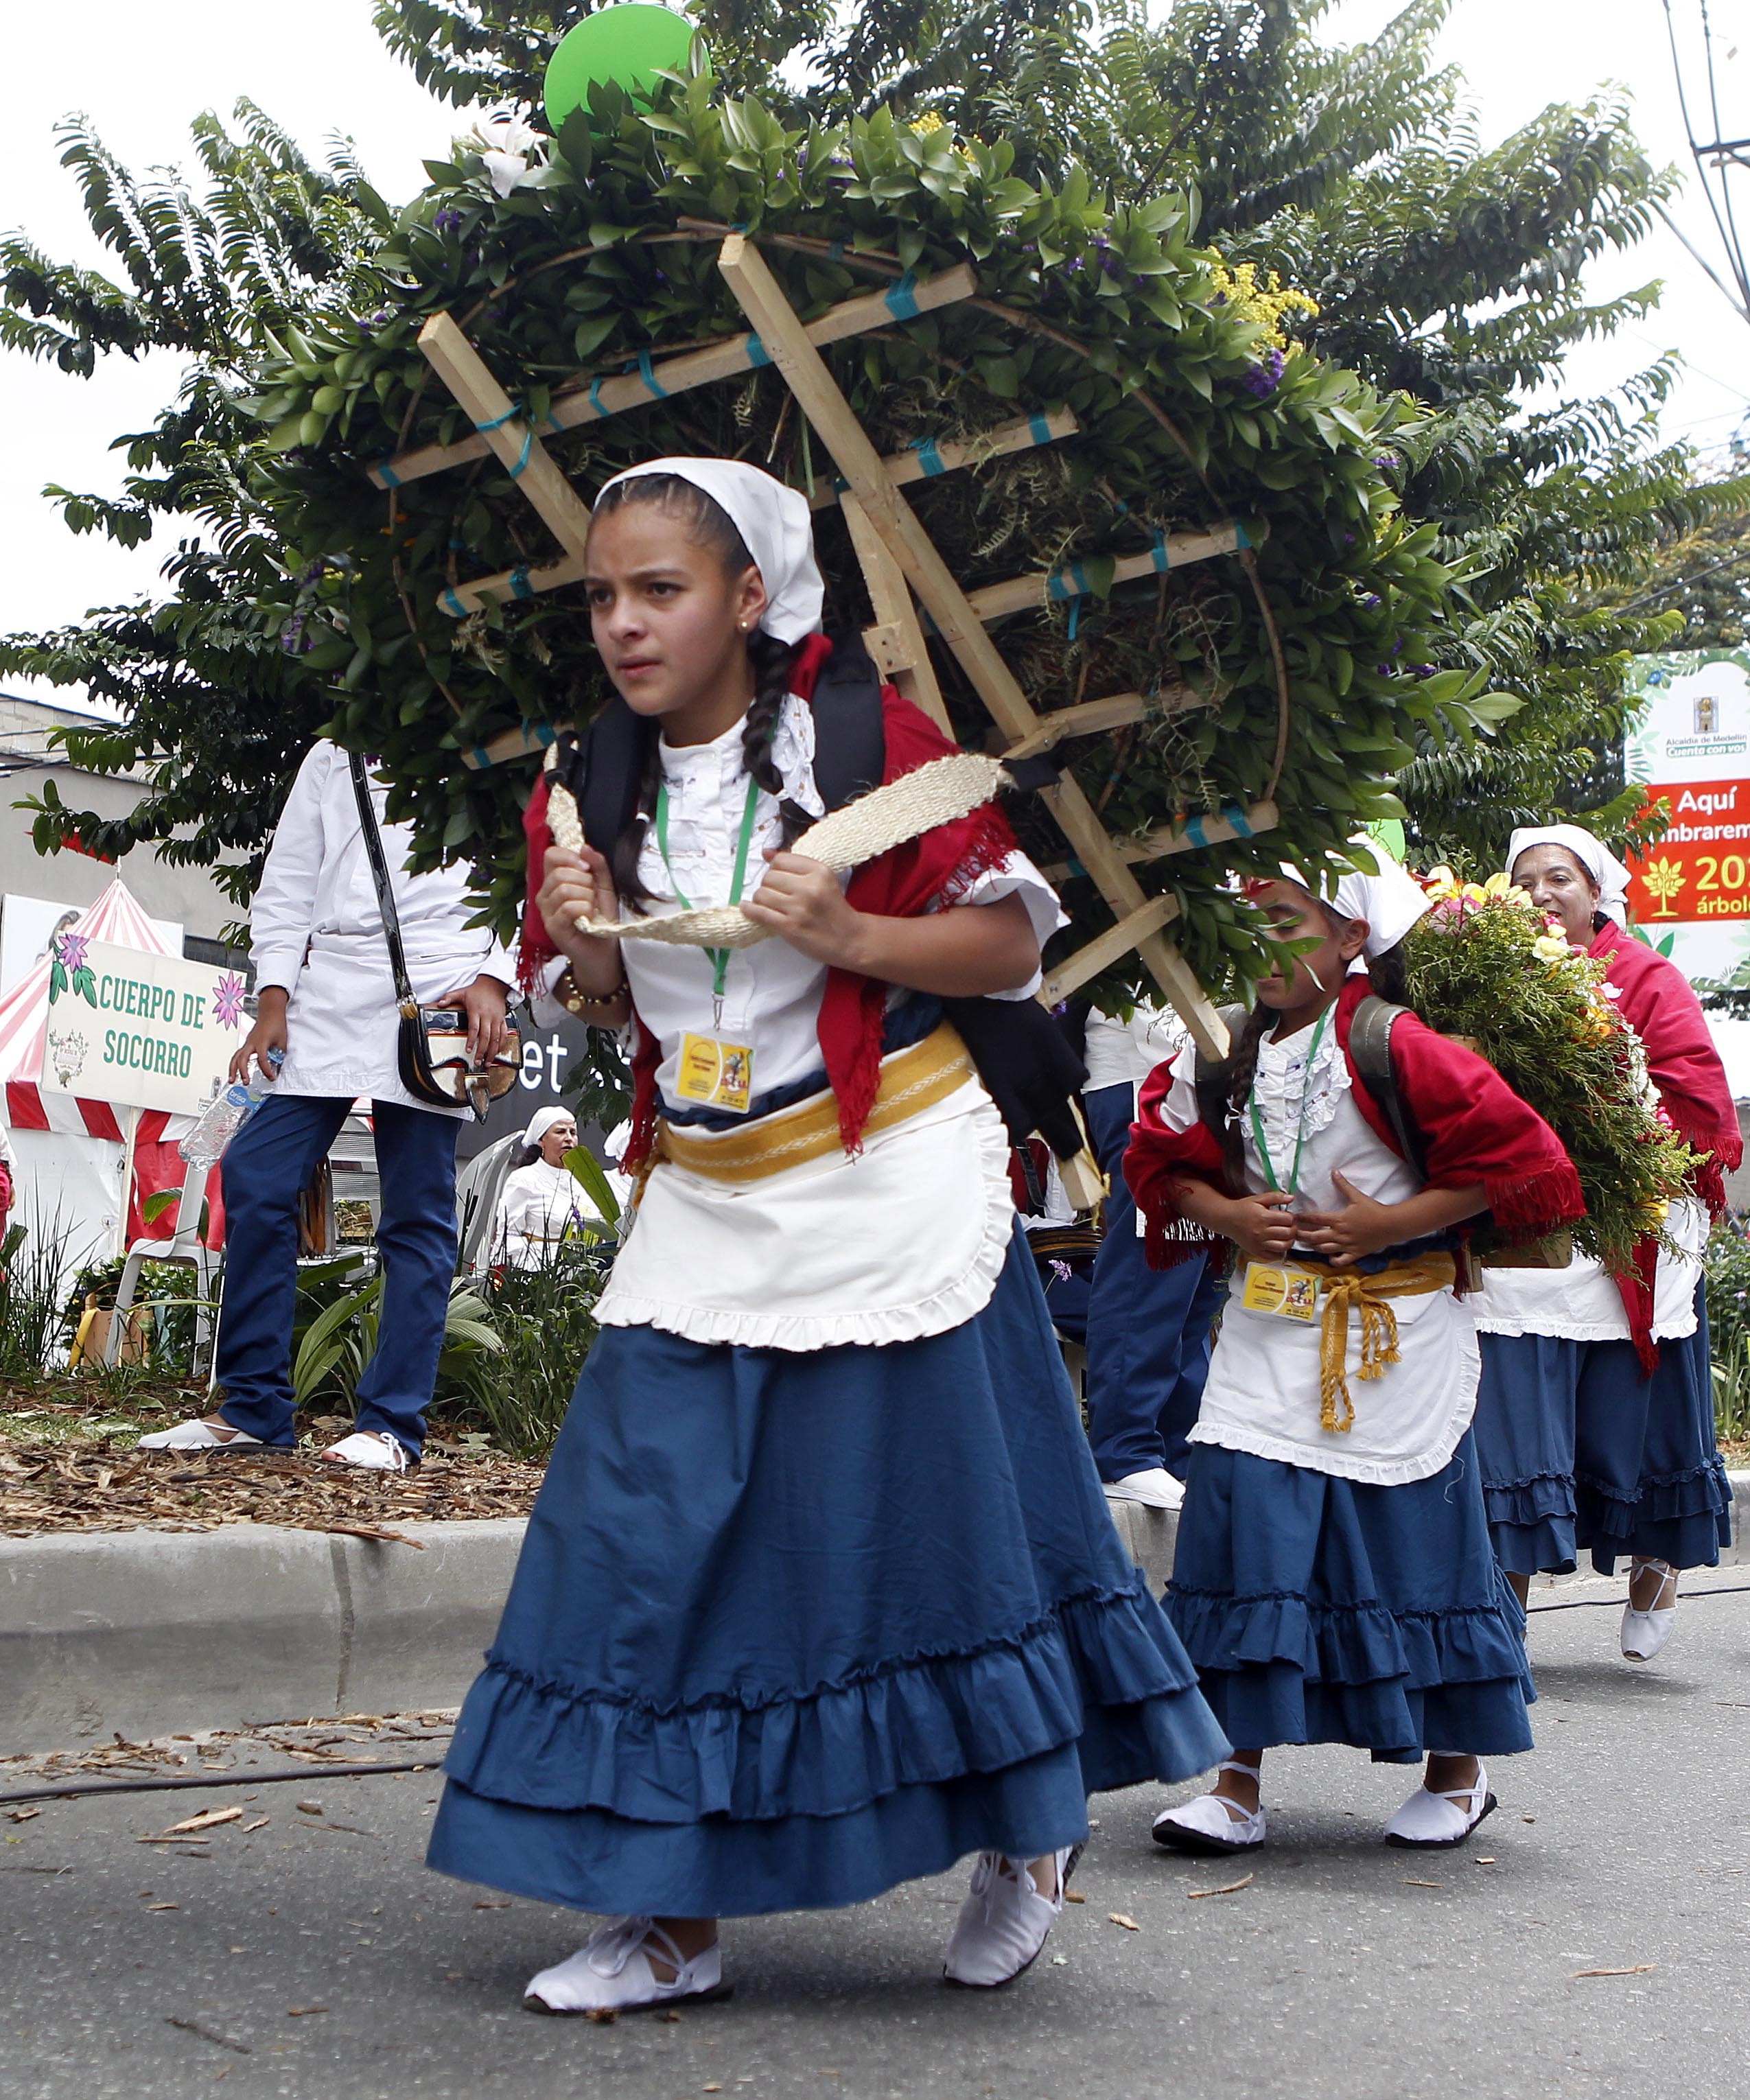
(628, 44)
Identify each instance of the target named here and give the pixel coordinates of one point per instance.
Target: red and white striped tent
(69, 1152)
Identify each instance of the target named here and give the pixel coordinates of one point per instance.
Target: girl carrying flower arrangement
(1334, 1581)
(820, 1592)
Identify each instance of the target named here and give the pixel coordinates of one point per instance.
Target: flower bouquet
(1486, 965)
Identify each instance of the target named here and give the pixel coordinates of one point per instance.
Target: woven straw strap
(939, 794)
(1347, 1290)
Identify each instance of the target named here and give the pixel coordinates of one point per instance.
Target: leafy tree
(1440, 271)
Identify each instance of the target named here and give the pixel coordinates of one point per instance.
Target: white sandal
(1431, 1822)
(1211, 1823)
(1644, 1633)
(198, 1435)
(611, 1972)
(1004, 1921)
(373, 1450)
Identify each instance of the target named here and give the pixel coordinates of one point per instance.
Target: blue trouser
(1147, 1331)
(267, 1168)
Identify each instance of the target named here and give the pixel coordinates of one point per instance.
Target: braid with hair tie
(771, 660)
(1240, 1093)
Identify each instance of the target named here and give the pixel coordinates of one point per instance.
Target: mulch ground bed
(104, 1485)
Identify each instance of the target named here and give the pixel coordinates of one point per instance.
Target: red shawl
(928, 872)
(1474, 1128)
(1658, 1004)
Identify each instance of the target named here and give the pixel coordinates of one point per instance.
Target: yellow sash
(912, 1080)
(1347, 1290)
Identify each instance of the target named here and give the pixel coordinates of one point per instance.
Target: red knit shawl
(926, 874)
(1658, 1004)
(1474, 1128)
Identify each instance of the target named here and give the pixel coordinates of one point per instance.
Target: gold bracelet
(574, 999)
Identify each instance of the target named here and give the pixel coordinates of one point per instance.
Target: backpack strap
(1370, 1052)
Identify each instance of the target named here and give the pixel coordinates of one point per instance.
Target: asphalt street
(311, 1955)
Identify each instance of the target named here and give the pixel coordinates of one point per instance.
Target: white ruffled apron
(905, 1238)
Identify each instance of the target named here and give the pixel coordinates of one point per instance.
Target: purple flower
(74, 950)
(291, 635)
(227, 1001)
(1386, 460)
(1371, 597)
(1262, 379)
(446, 222)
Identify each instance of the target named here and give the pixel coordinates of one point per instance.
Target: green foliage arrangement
(1727, 1268)
(1193, 408)
(1486, 964)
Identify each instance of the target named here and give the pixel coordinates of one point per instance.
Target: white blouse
(773, 993)
(316, 931)
(904, 1239)
(539, 1203)
(1262, 1392)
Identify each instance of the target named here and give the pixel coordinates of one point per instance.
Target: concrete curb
(143, 1632)
(140, 1633)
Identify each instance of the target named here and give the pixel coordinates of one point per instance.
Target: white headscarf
(1593, 856)
(1390, 902)
(776, 526)
(542, 1121)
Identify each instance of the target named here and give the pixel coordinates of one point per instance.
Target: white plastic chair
(183, 1246)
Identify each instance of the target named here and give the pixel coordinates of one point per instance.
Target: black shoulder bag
(431, 1042)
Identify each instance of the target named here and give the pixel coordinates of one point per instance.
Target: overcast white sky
(142, 72)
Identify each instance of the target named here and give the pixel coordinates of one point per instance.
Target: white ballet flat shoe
(611, 1972)
(1644, 1633)
(198, 1435)
(1209, 1823)
(1155, 1489)
(373, 1449)
(1004, 1921)
(1429, 1821)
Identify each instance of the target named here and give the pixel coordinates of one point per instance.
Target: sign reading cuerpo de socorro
(1689, 742)
(145, 1031)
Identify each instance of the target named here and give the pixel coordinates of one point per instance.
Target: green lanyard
(1300, 1134)
(720, 957)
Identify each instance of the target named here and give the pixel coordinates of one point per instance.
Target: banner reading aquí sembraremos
(146, 1031)
(1689, 743)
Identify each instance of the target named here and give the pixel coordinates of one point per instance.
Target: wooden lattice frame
(902, 568)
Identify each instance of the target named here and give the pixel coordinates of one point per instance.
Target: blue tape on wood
(757, 352)
(653, 385)
(520, 585)
(1041, 428)
(385, 471)
(929, 458)
(902, 298)
(451, 603)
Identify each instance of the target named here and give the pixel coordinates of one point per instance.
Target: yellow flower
(1547, 949)
(1498, 886)
(1472, 892)
(930, 121)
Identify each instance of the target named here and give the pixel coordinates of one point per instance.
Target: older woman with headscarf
(1595, 1415)
(542, 1202)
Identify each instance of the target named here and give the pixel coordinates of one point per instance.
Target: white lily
(506, 144)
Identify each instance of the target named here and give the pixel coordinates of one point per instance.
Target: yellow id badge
(720, 1075)
(1287, 1292)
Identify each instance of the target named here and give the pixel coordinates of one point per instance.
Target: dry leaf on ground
(1118, 1917)
(1227, 1889)
(1639, 1969)
(208, 1819)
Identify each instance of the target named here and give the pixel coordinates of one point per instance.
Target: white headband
(542, 1121)
(1592, 854)
(776, 526)
(1390, 902)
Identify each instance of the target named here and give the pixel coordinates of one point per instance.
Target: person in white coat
(327, 1009)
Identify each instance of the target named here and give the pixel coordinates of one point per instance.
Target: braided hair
(707, 524)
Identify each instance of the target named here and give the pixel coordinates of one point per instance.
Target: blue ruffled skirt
(1579, 1450)
(1319, 1610)
(787, 1630)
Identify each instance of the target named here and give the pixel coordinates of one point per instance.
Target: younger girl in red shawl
(1595, 1418)
(820, 1592)
(1334, 1581)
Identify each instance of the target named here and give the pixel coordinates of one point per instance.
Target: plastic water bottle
(222, 1118)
